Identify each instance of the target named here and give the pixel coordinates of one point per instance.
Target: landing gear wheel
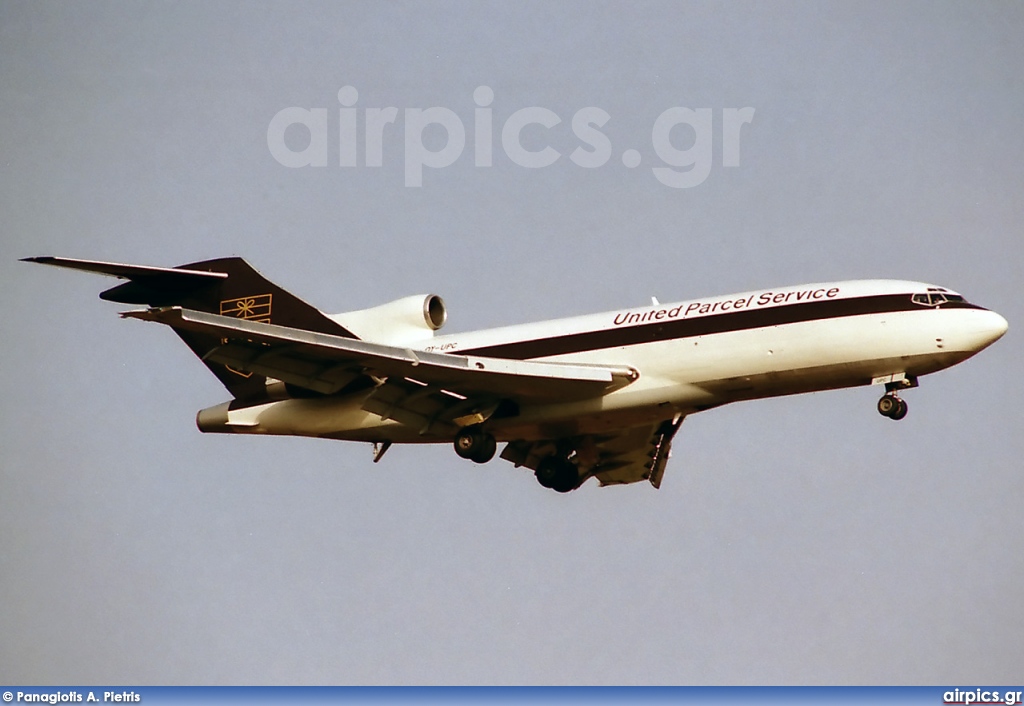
(892, 407)
(887, 405)
(487, 449)
(546, 471)
(475, 445)
(558, 474)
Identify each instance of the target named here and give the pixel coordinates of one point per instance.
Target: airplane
(599, 396)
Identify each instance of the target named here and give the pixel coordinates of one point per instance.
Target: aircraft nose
(990, 327)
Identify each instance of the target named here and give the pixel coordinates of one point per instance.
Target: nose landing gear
(892, 406)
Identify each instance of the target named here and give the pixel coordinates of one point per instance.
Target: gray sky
(798, 540)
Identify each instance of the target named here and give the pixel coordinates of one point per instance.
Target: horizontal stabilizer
(115, 269)
(147, 283)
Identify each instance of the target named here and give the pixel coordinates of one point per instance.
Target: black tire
(888, 405)
(468, 443)
(900, 411)
(488, 447)
(547, 471)
(568, 479)
(558, 474)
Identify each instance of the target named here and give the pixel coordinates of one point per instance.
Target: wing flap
(323, 377)
(627, 456)
(430, 409)
(630, 458)
(292, 354)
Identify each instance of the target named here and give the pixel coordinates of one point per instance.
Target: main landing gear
(558, 473)
(475, 444)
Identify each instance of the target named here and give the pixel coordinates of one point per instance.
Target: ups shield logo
(254, 308)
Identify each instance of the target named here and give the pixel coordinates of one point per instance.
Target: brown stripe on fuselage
(705, 325)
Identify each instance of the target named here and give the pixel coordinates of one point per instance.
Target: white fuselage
(690, 356)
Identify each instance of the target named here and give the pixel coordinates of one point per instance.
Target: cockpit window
(934, 297)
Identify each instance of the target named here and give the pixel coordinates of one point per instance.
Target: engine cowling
(406, 320)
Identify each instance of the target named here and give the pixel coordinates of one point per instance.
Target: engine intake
(434, 311)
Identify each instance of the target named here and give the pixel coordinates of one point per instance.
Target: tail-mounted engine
(400, 322)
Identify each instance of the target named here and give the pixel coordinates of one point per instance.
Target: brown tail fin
(244, 293)
(233, 289)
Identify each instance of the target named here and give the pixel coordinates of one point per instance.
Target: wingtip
(137, 313)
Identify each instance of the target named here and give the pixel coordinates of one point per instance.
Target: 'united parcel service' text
(701, 308)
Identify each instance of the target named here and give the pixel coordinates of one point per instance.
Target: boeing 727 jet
(598, 396)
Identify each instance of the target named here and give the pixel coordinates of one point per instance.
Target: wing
(439, 392)
(628, 456)
(325, 363)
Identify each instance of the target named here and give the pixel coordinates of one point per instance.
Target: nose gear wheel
(892, 407)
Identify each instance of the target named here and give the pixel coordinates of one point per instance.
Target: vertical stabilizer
(227, 286)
